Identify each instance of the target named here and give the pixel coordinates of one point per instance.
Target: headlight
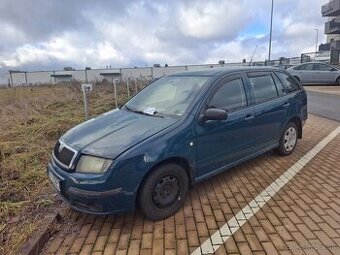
(91, 164)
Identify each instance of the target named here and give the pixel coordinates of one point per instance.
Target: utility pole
(271, 31)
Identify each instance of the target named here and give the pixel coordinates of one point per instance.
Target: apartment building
(331, 10)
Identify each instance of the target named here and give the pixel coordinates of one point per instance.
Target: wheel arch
(298, 123)
(184, 163)
(337, 80)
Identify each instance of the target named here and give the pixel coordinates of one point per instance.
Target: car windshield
(170, 95)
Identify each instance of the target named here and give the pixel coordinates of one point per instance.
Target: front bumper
(92, 195)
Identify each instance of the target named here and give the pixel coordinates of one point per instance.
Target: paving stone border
(34, 245)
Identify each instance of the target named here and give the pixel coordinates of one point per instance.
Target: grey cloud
(40, 19)
(147, 32)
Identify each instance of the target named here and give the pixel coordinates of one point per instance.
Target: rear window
(288, 82)
(263, 86)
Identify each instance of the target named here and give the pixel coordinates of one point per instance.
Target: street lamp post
(317, 40)
(271, 31)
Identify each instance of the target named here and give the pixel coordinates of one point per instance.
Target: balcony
(332, 27)
(331, 9)
(335, 45)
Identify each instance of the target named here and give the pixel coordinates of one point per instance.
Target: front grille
(63, 154)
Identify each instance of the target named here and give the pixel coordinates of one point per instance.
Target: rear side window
(288, 82)
(321, 67)
(230, 96)
(263, 86)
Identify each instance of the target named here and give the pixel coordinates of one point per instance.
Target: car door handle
(249, 117)
(286, 104)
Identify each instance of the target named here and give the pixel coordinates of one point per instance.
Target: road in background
(325, 103)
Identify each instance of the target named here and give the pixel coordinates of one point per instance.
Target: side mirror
(214, 114)
(334, 69)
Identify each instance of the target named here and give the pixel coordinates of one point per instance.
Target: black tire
(286, 147)
(163, 192)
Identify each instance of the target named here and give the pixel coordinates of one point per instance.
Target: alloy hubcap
(166, 191)
(290, 139)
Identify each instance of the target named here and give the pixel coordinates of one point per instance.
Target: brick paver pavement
(302, 218)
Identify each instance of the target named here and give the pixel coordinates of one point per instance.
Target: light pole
(317, 40)
(271, 31)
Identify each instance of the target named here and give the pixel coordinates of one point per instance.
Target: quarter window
(230, 96)
(263, 86)
(288, 82)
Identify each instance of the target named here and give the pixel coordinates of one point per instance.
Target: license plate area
(54, 180)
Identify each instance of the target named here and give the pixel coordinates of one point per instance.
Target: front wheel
(163, 192)
(288, 140)
(338, 81)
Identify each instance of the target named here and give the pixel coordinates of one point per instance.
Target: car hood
(114, 132)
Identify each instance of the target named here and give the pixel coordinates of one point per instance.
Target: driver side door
(222, 143)
(306, 73)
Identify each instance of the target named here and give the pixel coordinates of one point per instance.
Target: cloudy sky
(51, 34)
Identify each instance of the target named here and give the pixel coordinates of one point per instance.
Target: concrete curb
(34, 245)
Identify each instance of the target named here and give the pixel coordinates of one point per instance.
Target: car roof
(217, 71)
(313, 62)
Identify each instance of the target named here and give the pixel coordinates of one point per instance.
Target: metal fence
(22, 78)
(4, 81)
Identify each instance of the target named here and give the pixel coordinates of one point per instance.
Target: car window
(230, 96)
(280, 88)
(288, 82)
(306, 67)
(263, 86)
(322, 67)
(170, 95)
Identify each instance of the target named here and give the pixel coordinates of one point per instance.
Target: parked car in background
(176, 132)
(315, 73)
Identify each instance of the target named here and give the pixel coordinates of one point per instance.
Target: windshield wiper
(144, 113)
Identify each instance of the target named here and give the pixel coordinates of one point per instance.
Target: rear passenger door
(297, 101)
(323, 74)
(271, 106)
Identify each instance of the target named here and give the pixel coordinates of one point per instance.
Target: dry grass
(31, 120)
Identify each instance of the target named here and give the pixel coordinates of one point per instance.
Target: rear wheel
(288, 140)
(163, 192)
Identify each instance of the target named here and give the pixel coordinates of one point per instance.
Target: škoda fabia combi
(178, 131)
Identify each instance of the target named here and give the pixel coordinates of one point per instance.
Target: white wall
(94, 74)
(39, 77)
